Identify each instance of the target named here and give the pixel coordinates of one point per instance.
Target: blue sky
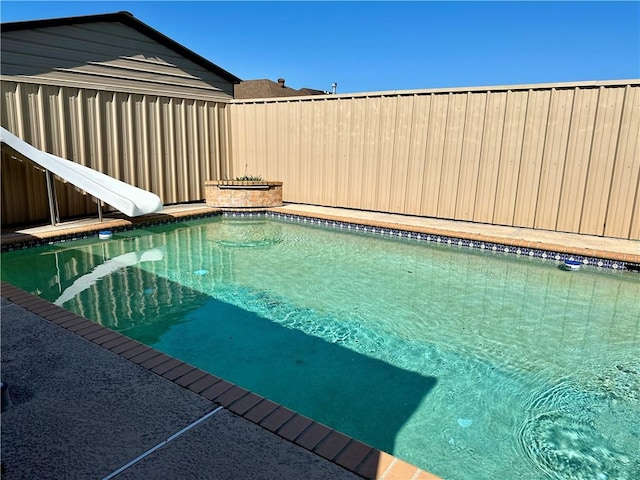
(379, 46)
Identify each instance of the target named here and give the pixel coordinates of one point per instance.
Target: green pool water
(469, 364)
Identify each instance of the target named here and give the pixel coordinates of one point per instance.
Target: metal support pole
(100, 210)
(51, 194)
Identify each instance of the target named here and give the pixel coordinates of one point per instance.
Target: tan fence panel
(601, 161)
(357, 164)
(401, 147)
(510, 158)
(434, 154)
(471, 150)
(577, 159)
(553, 160)
(169, 146)
(558, 157)
(490, 157)
(371, 153)
(417, 154)
(452, 152)
(624, 205)
(531, 162)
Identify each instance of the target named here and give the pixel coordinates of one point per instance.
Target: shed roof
(129, 20)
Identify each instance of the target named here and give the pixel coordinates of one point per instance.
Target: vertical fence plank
(471, 150)
(452, 153)
(531, 162)
(355, 155)
(434, 155)
(622, 210)
(510, 155)
(384, 160)
(577, 160)
(602, 158)
(371, 148)
(401, 147)
(490, 156)
(553, 160)
(417, 153)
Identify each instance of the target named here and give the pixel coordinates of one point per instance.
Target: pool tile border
(497, 245)
(334, 446)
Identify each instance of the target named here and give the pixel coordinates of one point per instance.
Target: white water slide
(130, 200)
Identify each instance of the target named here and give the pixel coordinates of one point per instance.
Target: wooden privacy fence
(556, 157)
(562, 157)
(169, 146)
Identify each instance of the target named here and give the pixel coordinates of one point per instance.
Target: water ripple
(560, 437)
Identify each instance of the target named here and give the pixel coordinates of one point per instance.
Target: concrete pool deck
(87, 400)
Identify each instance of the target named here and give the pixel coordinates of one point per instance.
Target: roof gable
(129, 20)
(112, 52)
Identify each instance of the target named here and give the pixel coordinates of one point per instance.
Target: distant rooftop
(265, 88)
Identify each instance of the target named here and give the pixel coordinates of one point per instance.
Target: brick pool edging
(349, 453)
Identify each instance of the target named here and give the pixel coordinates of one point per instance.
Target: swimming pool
(469, 364)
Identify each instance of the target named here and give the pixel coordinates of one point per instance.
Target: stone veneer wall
(242, 194)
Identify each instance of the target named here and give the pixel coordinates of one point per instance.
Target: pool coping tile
(59, 319)
(71, 322)
(191, 377)
(108, 337)
(295, 427)
(156, 361)
(353, 454)
(331, 446)
(135, 351)
(125, 346)
(277, 418)
(166, 366)
(92, 328)
(216, 390)
(231, 395)
(54, 316)
(244, 404)
(260, 410)
(144, 356)
(80, 326)
(203, 383)
(97, 334)
(178, 372)
(312, 436)
(375, 465)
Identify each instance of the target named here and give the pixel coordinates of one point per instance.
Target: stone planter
(242, 194)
